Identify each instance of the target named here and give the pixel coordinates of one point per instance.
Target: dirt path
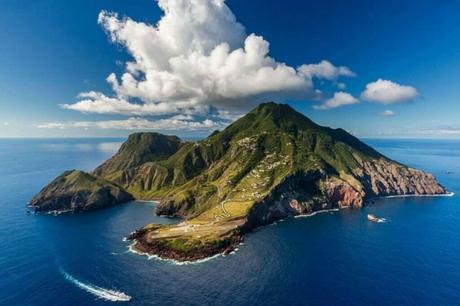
(222, 204)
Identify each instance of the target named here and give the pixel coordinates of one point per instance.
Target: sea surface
(329, 259)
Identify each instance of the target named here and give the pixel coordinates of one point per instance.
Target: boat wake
(101, 293)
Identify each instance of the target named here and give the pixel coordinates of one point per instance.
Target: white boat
(374, 218)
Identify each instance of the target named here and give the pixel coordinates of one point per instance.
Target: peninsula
(270, 164)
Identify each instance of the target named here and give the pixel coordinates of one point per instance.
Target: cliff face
(270, 164)
(383, 178)
(77, 191)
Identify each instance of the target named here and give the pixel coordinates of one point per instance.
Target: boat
(374, 218)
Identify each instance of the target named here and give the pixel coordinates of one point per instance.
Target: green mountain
(272, 163)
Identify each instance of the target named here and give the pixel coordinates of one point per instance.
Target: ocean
(334, 258)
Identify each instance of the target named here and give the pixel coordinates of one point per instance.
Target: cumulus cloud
(176, 123)
(197, 57)
(325, 70)
(388, 92)
(96, 102)
(339, 99)
(387, 113)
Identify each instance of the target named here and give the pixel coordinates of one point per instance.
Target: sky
(188, 67)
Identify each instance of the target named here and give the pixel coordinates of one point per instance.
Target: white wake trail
(102, 293)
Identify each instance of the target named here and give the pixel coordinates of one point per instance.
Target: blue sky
(52, 51)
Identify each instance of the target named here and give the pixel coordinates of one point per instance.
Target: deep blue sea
(329, 259)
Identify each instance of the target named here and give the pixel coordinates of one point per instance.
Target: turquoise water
(329, 259)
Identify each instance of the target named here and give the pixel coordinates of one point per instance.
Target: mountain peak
(271, 116)
(271, 105)
(274, 108)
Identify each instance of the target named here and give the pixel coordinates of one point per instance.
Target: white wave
(151, 202)
(99, 292)
(317, 212)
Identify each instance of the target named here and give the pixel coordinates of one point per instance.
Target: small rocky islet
(270, 164)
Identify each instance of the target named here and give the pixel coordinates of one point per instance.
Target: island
(268, 165)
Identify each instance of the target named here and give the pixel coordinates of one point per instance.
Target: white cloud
(96, 102)
(388, 92)
(229, 115)
(136, 123)
(325, 70)
(387, 113)
(339, 99)
(195, 57)
(5, 123)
